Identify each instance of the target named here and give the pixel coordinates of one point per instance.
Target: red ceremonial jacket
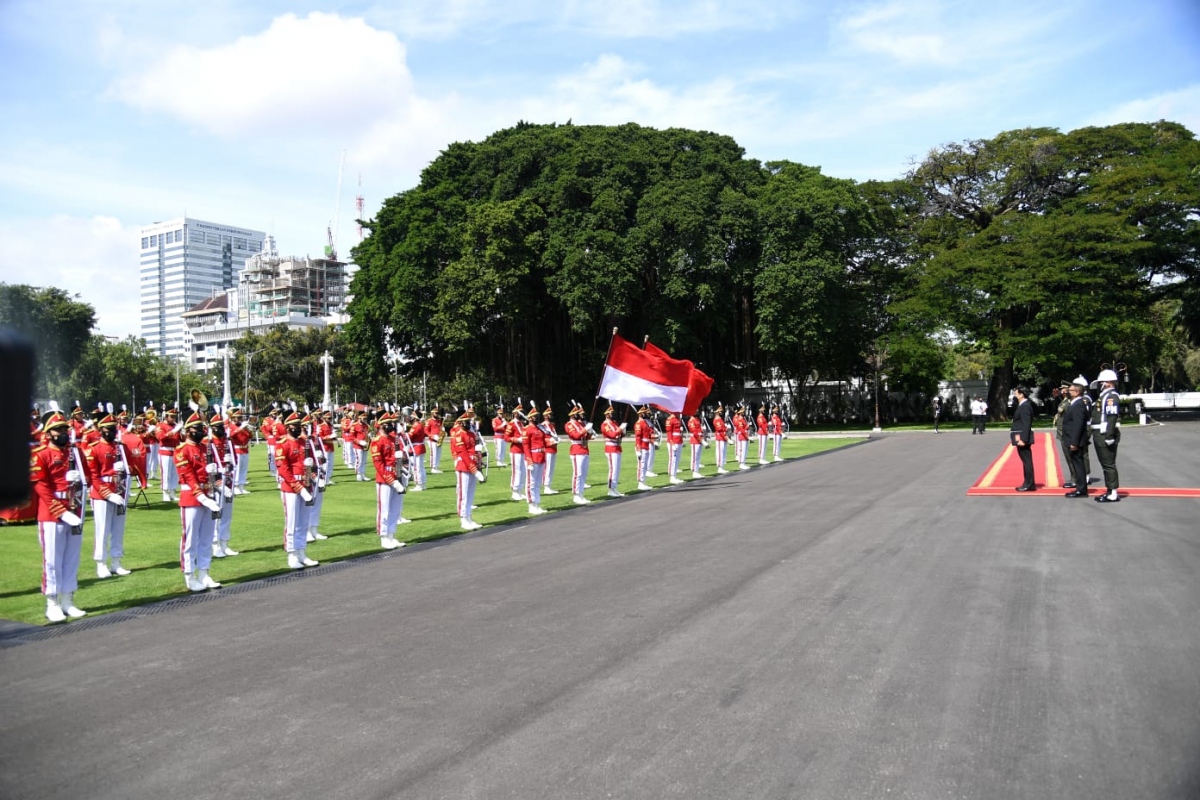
(612, 436)
(383, 456)
(191, 463)
(696, 429)
(674, 429)
(101, 466)
(48, 468)
(535, 443)
(718, 426)
(289, 465)
(577, 432)
(643, 434)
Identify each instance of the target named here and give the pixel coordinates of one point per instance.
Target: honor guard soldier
(514, 434)
(643, 437)
(674, 435)
(359, 443)
(221, 452)
(270, 434)
(1106, 433)
(389, 483)
(720, 437)
(167, 434)
(468, 452)
(579, 433)
(314, 464)
(106, 470)
(327, 438)
(499, 435)
(775, 427)
(137, 455)
(741, 437)
(435, 433)
(151, 439)
(295, 489)
(551, 450)
(612, 433)
(696, 441)
(198, 485)
(535, 460)
(240, 433)
(58, 483)
(418, 436)
(346, 425)
(760, 429)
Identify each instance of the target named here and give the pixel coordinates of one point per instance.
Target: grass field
(152, 534)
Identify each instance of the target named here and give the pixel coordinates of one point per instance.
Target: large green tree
(124, 373)
(58, 324)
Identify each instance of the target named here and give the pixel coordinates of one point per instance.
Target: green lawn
(152, 534)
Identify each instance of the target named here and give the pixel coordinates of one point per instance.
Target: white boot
(308, 562)
(218, 551)
(117, 569)
(643, 487)
(548, 490)
(102, 570)
(294, 561)
(207, 582)
(192, 583)
(722, 471)
(579, 500)
(227, 550)
(696, 474)
(614, 493)
(675, 480)
(651, 474)
(316, 534)
(54, 611)
(67, 601)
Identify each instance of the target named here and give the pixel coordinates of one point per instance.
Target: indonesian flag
(699, 384)
(639, 376)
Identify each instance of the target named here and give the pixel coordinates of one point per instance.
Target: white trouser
(548, 472)
(465, 493)
(271, 458)
(295, 522)
(61, 546)
(417, 465)
(314, 511)
(674, 451)
(243, 469)
(360, 462)
(533, 484)
(777, 440)
(740, 448)
(762, 447)
(223, 530)
(170, 478)
(579, 468)
(389, 507)
(435, 455)
(500, 445)
(720, 453)
(110, 538)
(696, 448)
(347, 454)
(195, 547)
(650, 460)
(517, 481)
(328, 465)
(152, 463)
(614, 469)
(643, 464)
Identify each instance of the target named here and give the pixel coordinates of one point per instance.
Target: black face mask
(388, 428)
(294, 431)
(109, 434)
(59, 437)
(196, 434)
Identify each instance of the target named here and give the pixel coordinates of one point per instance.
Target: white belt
(612, 441)
(538, 450)
(62, 495)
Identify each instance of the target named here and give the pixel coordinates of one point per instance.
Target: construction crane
(331, 248)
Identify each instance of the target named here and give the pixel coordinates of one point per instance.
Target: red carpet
(1004, 475)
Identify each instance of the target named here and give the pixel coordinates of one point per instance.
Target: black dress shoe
(1024, 488)
(1104, 498)
(1069, 485)
(1076, 494)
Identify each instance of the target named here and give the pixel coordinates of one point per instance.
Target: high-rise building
(185, 261)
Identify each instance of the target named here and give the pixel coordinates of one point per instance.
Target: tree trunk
(998, 390)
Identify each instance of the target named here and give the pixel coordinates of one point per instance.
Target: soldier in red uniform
(674, 436)
(220, 451)
(552, 439)
(106, 471)
(389, 482)
(612, 433)
(167, 434)
(696, 439)
(417, 436)
(150, 437)
(720, 437)
(271, 435)
(466, 447)
(197, 484)
(58, 484)
(136, 455)
(535, 460)
(327, 433)
(579, 433)
(499, 436)
(515, 436)
(240, 433)
(434, 433)
(359, 441)
(741, 434)
(760, 425)
(643, 437)
(775, 429)
(295, 489)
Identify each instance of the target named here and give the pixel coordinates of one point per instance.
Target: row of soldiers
(203, 463)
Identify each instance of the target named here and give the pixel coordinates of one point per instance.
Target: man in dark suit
(1075, 437)
(1021, 434)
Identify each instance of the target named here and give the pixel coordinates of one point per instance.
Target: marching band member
(221, 452)
(696, 440)
(720, 436)
(535, 461)
(674, 431)
(239, 436)
(197, 478)
(167, 434)
(551, 450)
(612, 433)
(359, 441)
(314, 463)
(150, 437)
(106, 471)
(499, 435)
(295, 491)
(467, 450)
(741, 433)
(579, 433)
(643, 437)
(389, 483)
(435, 433)
(776, 429)
(515, 435)
(272, 437)
(347, 448)
(418, 436)
(58, 485)
(327, 435)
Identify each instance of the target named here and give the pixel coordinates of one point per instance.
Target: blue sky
(120, 113)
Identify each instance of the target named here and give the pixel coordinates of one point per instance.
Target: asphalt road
(846, 626)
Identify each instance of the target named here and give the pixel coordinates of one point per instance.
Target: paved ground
(846, 626)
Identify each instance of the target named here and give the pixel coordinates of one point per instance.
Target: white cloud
(90, 257)
(1182, 106)
(299, 78)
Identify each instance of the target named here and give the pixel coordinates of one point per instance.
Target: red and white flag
(637, 376)
(699, 384)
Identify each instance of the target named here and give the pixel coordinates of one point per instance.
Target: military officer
(468, 452)
(551, 450)
(58, 484)
(389, 482)
(612, 433)
(720, 438)
(535, 460)
(1106, 433)
(198, 509)
(695, 429)
(579, 433)
(643, 436)
(106, 471)
(295, 489)
(674, 436)
(499, 435)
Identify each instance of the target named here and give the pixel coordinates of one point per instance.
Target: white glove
(245, 426)
(116, 499)
(177, 428)
(70, 519)
(321, 482)
(479, 448)
(229, 459)
(72, 476)
(211, 469)
(89, 423)
(480, 476)
(308, 462)
(208, 502)
(398, 487)
(306, 495)
(623, 424)
(1110, 442)
(119, 466)
(362, 443)
(589, 428)
(228, 493)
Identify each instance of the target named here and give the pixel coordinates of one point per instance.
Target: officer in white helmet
(1106, 433)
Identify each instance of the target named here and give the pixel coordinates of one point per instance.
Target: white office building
(184, 262)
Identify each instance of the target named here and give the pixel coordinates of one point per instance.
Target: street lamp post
(226, 399)
(326, 360)
(246, 381)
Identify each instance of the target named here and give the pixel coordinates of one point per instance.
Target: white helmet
(1080, 381)
(1107, 375)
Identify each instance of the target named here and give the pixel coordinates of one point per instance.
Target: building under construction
(277, 287)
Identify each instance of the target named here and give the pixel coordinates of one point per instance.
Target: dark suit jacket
(1022, 423)
(1075, 424)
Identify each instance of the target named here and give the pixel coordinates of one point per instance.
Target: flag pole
(607, 355)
